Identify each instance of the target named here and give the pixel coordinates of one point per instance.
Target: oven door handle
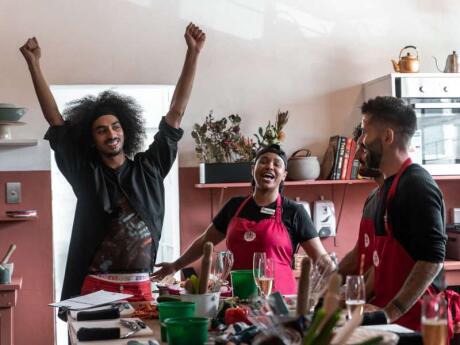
(439, 105)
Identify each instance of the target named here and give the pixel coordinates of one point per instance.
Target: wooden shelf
(17, 219)
(311, 182)
(17, 142)
(447, 178)
(287, 183)
(451, 265)
(16, 284)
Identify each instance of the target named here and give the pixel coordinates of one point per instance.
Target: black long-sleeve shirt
(417, 215)
(140, 180)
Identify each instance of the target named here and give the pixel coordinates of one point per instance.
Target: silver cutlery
(134, 327)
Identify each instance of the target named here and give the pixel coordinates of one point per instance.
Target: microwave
(435, 97)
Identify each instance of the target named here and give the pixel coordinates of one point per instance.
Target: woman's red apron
(393, 265)
(245, 237)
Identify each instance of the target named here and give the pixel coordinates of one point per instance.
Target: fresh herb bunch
(273, 133)
(222, 141)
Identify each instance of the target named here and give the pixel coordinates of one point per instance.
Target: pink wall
(195, 206)
(33, 257)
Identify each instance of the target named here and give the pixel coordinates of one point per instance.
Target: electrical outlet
(13, 192)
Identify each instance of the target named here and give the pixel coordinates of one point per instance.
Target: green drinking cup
(187, 330)
(243, 284)
(173, 309)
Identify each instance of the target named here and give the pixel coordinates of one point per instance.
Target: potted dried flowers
(225, 154)
(273, 133)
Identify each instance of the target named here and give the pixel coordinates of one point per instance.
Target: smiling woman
(264, 221)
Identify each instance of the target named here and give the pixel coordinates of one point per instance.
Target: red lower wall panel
(196, 207)
(33, 257)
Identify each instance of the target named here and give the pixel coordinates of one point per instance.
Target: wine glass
(263, 273)
(434, 320)
(222, 265)
(355, 294)
(322, 270)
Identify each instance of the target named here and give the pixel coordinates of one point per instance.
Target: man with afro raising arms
(120, 192)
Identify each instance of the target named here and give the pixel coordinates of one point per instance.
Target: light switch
(13, 192)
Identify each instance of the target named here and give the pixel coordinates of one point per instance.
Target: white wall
(309, 57)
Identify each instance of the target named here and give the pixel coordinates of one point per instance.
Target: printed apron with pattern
(393, 265)
(245, 237)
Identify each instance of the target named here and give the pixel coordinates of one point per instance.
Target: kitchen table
(360, 334)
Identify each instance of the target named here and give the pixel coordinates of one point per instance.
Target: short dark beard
(365, 171)
(112, 154)
(374, 158)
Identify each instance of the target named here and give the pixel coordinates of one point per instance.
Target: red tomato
(237, 314)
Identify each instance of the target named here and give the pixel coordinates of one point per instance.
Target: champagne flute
(434, 320)
(263, 273)
(355, 294)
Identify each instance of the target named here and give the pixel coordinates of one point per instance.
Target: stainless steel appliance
(435, 98)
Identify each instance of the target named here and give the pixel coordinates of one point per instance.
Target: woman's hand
(194, 37)
(31, 51)
(167, 268)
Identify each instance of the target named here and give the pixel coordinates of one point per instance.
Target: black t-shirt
(297, 221)
(416, 214)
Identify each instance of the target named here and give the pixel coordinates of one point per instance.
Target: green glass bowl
(11, 114)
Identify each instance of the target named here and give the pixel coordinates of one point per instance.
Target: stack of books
(22, 213)
(345, 165)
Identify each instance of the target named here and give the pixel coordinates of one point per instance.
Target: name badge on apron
(269, 211)
(249, 236)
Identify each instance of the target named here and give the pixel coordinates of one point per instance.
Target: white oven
(435, 98)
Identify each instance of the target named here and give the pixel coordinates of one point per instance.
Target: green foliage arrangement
(222, 141)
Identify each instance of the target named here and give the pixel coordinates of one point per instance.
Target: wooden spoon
(206, 264)
(8, 254)
(303, 291)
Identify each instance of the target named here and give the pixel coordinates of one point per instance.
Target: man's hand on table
(374, 315)
(369, 308)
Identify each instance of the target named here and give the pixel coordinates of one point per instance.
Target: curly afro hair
(81, 114)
